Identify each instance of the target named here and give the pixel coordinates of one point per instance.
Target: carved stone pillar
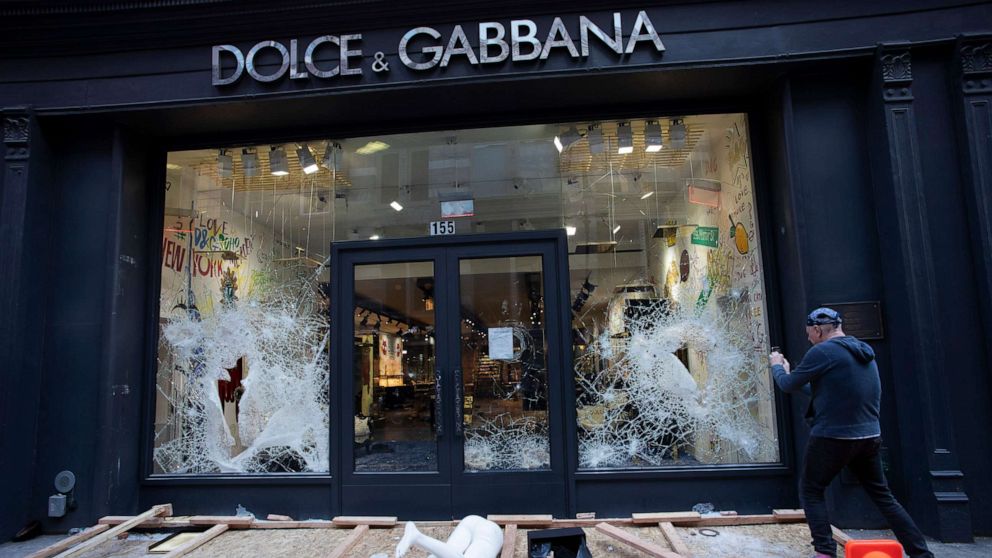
(975, 72)
(17, 382)
(902, 179)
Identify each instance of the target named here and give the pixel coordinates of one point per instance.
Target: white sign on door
(501, 343)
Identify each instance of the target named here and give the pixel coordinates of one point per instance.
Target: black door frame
(449, 492)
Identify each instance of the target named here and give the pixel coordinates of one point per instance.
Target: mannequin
(474, 537)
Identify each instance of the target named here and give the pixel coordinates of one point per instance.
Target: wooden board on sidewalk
(522, 520)
(509, 541)
(786, 516)
(346, 545)
(155, 511)
(674, 539)
(370, 520)
(658, 517)
(633, 541)
(199, 541)
(70, 542)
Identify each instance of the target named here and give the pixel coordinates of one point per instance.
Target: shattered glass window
(669, 333)
(242, 382)
(669, 329)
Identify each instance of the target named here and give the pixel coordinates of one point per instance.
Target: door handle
(459, 399)
(438, 415)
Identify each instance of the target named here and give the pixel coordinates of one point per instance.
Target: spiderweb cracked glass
(639, 405)
(282, 413)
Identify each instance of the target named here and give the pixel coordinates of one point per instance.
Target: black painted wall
(956, 252)
(75, 344)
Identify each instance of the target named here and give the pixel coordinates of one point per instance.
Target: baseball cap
(822, 316)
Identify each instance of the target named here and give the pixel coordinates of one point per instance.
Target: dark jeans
(825, 457)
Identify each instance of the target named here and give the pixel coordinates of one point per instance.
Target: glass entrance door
(450, 397)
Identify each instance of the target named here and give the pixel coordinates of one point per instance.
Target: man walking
(840, 374)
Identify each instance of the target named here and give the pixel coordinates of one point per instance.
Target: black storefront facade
(868, 137)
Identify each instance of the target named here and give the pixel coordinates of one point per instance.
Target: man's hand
(777, 358)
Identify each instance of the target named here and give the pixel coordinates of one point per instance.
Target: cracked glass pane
(669, 331)
(242, 382)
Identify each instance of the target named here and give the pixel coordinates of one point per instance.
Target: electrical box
(56, 505)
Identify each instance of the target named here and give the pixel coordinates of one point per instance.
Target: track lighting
(225, 164)
(249, 162)
(677, 133)
(278, 163)
(625, 138)
(307, 162)
(595, 136)
(652, 136)
(568, 139)
(332, 156)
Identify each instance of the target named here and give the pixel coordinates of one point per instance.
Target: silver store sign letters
(425, 48)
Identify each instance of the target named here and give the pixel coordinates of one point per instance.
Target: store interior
(658, 215)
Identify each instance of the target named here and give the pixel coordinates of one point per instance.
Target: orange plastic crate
(873, 549)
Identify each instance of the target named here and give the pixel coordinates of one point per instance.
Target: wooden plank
(232, 521)
(509, 541)
(309, 524)
(522, 520)
(841, 537)
(631, 540)
(346, 545)
(728, 521)
(624, 521)
(204, 538)
(155, 511)
(787, 516)
(277, 517)
(674, 540)
(658, 517)
(371, 521)
(69, 542)
(150, 523)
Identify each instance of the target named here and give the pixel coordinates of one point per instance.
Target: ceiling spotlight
(225, 164)
(567, 139)
(332, 156)
(396, 205)
(374, 237)
(652, 136)
(249, 162)
(677, 133)
(595, 136)
(570, 231)
(278, 163)
(616, 229)
(371, 147)
(647, 195)
(307, 162)
(625, 138)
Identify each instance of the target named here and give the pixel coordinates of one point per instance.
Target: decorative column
(974, 62)
(18, 383)
(950, 518)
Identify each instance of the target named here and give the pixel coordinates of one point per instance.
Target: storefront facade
(448, 259)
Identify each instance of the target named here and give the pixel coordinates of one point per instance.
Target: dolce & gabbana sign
(425, 48)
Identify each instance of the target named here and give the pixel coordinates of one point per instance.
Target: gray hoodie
(845, 387)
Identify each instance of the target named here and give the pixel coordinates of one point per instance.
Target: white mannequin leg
(413, 537)
(475, 536)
